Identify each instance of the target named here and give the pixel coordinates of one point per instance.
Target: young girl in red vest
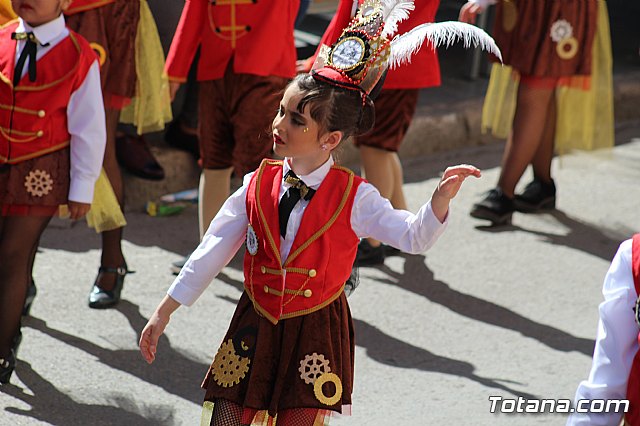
(52, 139)
(554, 94)
(287, 358)
(615, 372)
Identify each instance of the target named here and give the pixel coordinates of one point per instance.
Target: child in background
(555, 93)
(395, 106)
(52, 141)
(615, 372)
(288, 356)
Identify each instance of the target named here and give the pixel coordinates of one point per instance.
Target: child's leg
(226, 413)
(528, 129)
(213, 192)
(112, 256)
(542, 159)
(19, 236)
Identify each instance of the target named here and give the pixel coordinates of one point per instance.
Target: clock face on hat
(348, 53)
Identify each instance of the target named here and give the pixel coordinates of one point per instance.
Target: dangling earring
(305, 130)
(324, 147)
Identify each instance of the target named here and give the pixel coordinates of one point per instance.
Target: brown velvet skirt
(37, 186)
(546, 38)
(112, 30)
(301, 362)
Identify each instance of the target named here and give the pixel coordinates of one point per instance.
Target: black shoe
(31, 294)
(537, 195)
(179, 139)
(134, 155)
(7, 365)
(495, 207)
(103, 299)
(368, 255)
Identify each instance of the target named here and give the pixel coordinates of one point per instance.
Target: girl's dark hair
(335, 108)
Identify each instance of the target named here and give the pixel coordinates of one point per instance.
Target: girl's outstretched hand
(449, 186)
(150, 335)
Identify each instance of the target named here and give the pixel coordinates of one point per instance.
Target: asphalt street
(507, 312)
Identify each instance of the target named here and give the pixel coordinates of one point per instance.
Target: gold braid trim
(263, 218)
(262, 311)
(327, 225)
(23, 110)
(35, 154)
(315, 308)
(60, 80)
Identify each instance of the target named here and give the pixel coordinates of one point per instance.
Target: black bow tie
(290, 198)
(29, 51)
(295, 182)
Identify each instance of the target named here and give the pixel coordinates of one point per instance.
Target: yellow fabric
(585, 104)
(150, 109)
(105, 213)
(6, 12)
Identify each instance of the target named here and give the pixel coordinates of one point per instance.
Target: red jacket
(322, 253)
(424, 68)
(633, 386)
(33, 116)
(258, 35)
(78, 6)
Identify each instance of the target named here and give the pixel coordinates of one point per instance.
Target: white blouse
(616, 344)
(371, 216)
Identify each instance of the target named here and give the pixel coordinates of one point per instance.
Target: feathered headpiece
(365, 49)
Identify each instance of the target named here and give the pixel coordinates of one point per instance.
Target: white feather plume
(394, 12)
(439, 34)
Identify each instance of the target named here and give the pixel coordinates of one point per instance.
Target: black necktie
(29, 51)
(290, 198)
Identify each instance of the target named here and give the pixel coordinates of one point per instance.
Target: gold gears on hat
(312, 366)
(228, 367)
(38, 183)
(328, 378)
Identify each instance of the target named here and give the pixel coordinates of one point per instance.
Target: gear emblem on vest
(252, 241)
(228, 367)
(38, 183)
(312, 367)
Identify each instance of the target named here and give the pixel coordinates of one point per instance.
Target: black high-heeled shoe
(7, 365)
(103, 299)
(31, 295)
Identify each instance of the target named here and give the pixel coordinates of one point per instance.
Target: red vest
(33, 116)
(258, 35)
(424, 68)
(633, 386)
(322, 253)
(84, 5)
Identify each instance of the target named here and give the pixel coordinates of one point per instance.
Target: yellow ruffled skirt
(585, 103)
(150, 109)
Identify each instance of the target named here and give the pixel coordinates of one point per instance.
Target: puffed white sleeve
(223, 239)
(616, 343)
(86, 125)
(374, 216)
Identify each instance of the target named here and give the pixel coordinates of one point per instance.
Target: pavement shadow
(50, 405)
(479, 309)
(172, 370)
(582, 236)
(388, 350)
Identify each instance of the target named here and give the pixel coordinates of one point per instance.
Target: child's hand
(469, 12)
(150, 335)
(78, 210)
(173, 89)
(452, 179)
(449, 186)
